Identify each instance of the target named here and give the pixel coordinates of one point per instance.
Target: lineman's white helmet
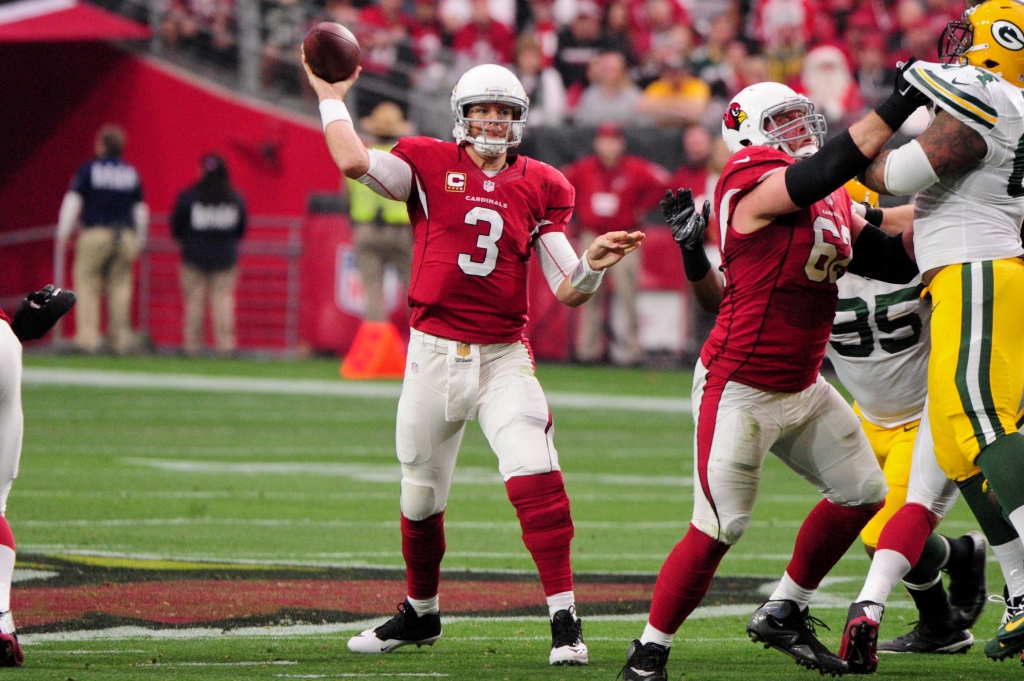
(750, 114)
(489, 83)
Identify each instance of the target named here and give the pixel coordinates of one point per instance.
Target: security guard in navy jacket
(208, 222)
(107, 193)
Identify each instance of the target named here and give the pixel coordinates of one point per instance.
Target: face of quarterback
(799, 136)
(491, 115)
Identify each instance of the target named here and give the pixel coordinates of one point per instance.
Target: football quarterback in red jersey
(787, 233)
(477, 213)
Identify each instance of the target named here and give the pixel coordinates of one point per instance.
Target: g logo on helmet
(734, 115)
(1008, 35)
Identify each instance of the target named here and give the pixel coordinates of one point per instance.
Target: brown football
(331, 51)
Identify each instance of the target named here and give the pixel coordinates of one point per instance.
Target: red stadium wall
(57, 95)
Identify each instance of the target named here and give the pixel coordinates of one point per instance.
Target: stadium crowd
(636, 62)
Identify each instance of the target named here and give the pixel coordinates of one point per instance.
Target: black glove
(40, 311)
(680, 214)
(904, 89)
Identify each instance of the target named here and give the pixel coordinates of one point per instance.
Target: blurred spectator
(578, 45)
(785, 27)
(458, 13)
(208, 221)
(380, 226)
(706, 58)
(614, 191)
(826, 80)
(544, 29)
(650, 19)
(875, 72)
(618, 28)
(107, 193)
(387, 59)
(483, 40)
(285, 26)
(677, 97)
(342, 12)
(725, 78)
(543, 85)
(693, 173)
(427, 37)
(208, 25)
(611, 96)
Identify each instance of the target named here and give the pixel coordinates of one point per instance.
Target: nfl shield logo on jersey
(488, 186)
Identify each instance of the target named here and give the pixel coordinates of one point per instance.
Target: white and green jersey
(879, 347)
(976, 216)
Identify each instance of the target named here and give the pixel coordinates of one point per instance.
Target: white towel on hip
(463, 381)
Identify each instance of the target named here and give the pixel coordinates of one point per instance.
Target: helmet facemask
(955, 40)
(783, 136)
(485, 145)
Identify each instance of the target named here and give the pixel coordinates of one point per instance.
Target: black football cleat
(784, 626)
(860, 637)
(404, 629)
(929, 639)
(968, 588)
(567, 646)
(645, 662)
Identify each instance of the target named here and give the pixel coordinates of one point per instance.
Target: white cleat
(404, 629)
(567, 646)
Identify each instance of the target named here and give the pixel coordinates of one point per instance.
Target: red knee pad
(907, 531)
(423, 548)
(543, 511)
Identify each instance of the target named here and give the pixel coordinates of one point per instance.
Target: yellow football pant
(894, 449)
(976, 370)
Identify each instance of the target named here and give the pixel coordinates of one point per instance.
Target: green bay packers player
(967, 168)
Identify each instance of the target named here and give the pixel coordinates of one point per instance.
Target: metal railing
(268, 293)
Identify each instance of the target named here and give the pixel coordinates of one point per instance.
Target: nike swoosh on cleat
(1013, 624)
(641, 672)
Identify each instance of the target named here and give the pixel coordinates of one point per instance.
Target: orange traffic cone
(376, 352)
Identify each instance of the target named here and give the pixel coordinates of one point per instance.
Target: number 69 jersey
(879, 347)
(779, 298)
(473, 235)
(975, 216)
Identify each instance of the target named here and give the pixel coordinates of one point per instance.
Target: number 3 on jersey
(822, 263)
(488, 242)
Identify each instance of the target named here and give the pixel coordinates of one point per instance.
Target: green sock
(993, 523)
(1002, 462)
(932, 559)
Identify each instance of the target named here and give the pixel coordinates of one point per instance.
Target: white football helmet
(751, 113)
(489, 83)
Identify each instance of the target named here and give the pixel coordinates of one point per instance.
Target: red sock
(423, 548)
(824, 537)
(907, 531)
(6, 536)
(543, 510)
(684, 579)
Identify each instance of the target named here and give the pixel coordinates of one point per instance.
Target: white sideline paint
(248, 663)
(360, 675)
(133, 633)
(466, 475)
(88, 378)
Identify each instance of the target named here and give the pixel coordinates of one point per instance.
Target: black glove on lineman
(904, 89)
(904, 100)
(40, 311)
(680, 214)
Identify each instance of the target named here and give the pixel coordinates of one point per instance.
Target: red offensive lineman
(786, 235)
(477, 212)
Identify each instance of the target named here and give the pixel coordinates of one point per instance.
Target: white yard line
(118, 380)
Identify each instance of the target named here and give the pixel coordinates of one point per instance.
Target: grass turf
(312, 479)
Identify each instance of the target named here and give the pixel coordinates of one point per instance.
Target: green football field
(239, 519)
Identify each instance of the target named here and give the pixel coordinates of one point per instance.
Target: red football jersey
(473, 238)
(617, 198)
(780, 290)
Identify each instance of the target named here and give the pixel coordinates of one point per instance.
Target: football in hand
(332, 52)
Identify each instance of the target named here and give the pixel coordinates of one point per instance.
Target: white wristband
(583, 278)
(333, 110)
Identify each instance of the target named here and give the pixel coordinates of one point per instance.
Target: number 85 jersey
(780, 293)
(473, 235)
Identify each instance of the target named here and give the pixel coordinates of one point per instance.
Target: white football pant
(502, 391)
